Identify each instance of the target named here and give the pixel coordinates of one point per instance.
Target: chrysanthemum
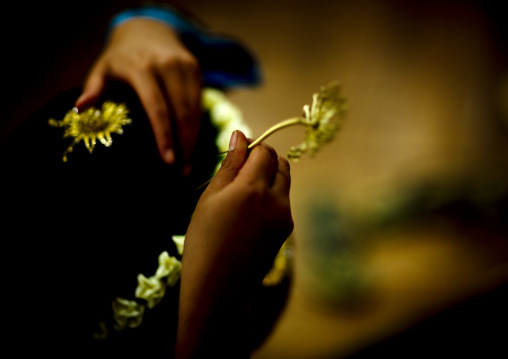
(322, 120)
(93, 124)
(327, 105)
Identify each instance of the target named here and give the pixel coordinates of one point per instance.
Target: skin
(239, 224)
(149, 56)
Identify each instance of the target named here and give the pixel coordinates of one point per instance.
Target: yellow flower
(327, 105)
(93, 124)
(279, 268)
(127, 313)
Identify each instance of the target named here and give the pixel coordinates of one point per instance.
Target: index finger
(183, 91)
(261, 165)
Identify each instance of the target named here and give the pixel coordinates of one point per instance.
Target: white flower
(150, 289)
(169, 268)
(153, 289)
(179, 241)
(210, 97)
(224, 115)
(127, 313)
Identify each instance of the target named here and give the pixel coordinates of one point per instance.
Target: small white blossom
(150, 289)
(169, 268)
(210, 97)
(225, 116)
(127, 313)
(179, 241)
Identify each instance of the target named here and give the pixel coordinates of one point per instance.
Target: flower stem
(283, 124)
(277, 127)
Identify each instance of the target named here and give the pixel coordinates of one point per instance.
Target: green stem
(277, 127)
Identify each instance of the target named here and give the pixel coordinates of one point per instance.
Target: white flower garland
(225, 116)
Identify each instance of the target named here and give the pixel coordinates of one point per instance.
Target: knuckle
(265, 152)
(168, 61)
(257, 191)
(191, 62)
(178, 61)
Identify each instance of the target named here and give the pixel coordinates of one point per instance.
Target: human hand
(239, 224)
(149, 56)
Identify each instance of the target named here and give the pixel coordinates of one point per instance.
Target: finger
(189, 127)
(282, 180)
(154, 103)
(261, 165)
(232, 164)
(184, 94)
(93, 88)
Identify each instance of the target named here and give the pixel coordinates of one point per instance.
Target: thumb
(234, 161)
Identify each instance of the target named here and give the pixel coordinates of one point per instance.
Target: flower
(127, 313)
(93, 124)
(326, 105)
(169, 268)
(150, 289)
(224, 115)
(153, 289)
(179, 241)
(280, 266)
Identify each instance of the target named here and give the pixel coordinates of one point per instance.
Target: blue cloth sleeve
(224, 61)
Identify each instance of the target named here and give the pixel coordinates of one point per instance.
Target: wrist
(162, 13)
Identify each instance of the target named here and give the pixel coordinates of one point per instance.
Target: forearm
(213, 331)
(213, 313)
(239, 224)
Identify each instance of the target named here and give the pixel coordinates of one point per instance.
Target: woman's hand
(239, 225)
(149, 56)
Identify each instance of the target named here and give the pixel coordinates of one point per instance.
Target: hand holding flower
(239, 225)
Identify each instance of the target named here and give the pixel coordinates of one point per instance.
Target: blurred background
(379, 244)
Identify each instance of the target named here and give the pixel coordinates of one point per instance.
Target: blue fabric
(224, 62)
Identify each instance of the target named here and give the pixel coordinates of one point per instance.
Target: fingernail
(232, 141)
(169, 156)
(186, 170)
